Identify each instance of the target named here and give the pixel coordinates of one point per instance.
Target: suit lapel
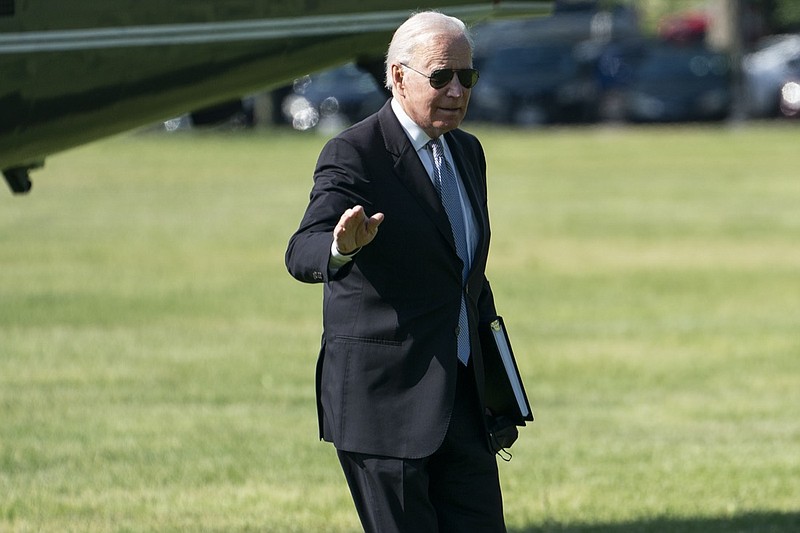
(411, 173)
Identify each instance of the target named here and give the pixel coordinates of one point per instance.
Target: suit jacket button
(317, 276)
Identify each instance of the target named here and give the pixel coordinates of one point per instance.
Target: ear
(397, 79)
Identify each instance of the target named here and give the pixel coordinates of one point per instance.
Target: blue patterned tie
(447, 187)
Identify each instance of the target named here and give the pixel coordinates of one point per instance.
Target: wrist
(347, 254)
(336, 252)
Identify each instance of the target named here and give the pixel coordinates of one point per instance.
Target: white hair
(416, 32)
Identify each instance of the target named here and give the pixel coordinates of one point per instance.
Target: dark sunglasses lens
(467, 77)
(440, 78)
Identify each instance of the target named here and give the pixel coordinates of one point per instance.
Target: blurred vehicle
(333, 98)
(690, 27)
(540, 83)
(542, 71)
(230, 115)
(615, 71)
(238, 112)
(766, 70)
(678, 83)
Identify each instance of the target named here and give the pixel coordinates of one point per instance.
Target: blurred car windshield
(681, 63)
(546, 58)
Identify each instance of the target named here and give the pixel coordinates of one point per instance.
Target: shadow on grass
(773, 522)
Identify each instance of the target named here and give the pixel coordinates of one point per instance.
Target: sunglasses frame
(470, 73)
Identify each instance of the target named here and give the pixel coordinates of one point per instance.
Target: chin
(443, 126)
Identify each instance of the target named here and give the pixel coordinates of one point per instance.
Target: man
(398, 231)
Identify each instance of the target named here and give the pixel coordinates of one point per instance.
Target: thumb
(375, 221)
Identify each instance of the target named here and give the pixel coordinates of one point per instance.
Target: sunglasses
(439, 78)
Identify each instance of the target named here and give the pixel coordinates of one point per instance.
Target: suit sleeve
(339, 184)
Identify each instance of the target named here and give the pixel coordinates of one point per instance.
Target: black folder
(505, 393)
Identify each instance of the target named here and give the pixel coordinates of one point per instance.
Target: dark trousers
(456, 490)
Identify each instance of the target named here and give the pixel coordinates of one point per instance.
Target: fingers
(355, 230)
(351, 219)
(355, 217)
(356, 212)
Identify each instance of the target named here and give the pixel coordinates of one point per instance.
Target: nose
(454, 88)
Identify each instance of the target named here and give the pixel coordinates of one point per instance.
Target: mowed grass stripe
(157, 361)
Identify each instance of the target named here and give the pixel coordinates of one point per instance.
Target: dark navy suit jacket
(386, 372)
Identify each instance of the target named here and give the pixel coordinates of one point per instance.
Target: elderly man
(397, 229)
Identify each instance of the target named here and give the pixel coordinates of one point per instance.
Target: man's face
(436, 111)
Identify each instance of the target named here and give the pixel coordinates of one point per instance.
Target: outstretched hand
(355, 229)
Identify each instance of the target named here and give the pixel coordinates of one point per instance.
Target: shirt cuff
(339, 259)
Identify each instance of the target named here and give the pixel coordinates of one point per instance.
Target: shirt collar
(415, 134)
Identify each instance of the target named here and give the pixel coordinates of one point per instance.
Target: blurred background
(592, 61)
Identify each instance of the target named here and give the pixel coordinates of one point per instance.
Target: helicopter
(75, 72)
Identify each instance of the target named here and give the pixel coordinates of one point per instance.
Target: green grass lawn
(157, 361)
